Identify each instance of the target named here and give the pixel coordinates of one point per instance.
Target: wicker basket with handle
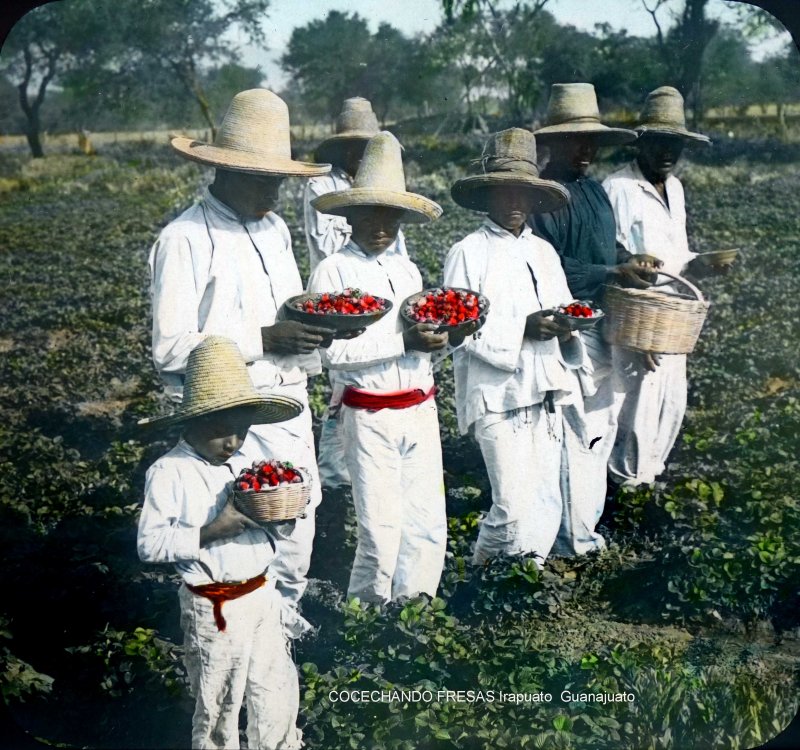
(281, 503)
(649, 320)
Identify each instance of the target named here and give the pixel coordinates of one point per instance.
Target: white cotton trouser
(247, 661)
(292, 441)
(522, 452)
(590, 428)
(395, 461)
(331, 461)
(652, 408)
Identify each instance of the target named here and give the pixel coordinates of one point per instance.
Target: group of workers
(556, 413)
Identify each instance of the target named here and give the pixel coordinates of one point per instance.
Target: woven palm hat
(509, 158)
(254, 137)
(663, 114)
(356, 122)
(572, 110)
(216, 380)
(380, 181)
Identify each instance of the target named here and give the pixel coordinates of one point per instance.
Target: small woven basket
(649, 320)
(281, 503)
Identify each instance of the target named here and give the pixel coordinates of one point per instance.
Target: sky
(421, 16)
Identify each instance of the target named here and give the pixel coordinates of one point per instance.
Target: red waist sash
(358, 399)
(223, 592)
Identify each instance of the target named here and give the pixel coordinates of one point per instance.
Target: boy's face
(509, 206)
(216, 437)
(252, 196)
(375, 228)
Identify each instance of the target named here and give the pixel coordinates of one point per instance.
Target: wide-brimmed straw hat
(509, 158)
(380, 181)
(254, 137)
(572, 110)
(216, 380)
(355, 123)
(663, 114)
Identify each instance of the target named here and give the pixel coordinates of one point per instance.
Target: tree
(117, 48)
(49, 41)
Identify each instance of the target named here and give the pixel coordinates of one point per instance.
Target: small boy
(384, 383)
(513, 377)
(230, 611)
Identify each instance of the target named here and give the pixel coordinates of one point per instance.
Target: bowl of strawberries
(272, 491)
(450, 308)
(578, 315)
(344, 312)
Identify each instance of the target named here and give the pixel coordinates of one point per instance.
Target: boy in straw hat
(230, 612)
(225, 266)
(514, 377)
(384, 382)
(583, 233)
(327, 234)
(648, 204)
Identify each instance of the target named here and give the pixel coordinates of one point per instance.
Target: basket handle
(683, 281)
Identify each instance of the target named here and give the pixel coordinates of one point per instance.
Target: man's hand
(230, 522)
(421, 337)
(540, 327)
(456, 338)
(651, 361)
(638, 271)
(293, 337)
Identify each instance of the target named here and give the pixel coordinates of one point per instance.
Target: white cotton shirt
(214, 273)
(376, 360)
(498, 369)
(645, 224)
(326, 234)
(184, 492)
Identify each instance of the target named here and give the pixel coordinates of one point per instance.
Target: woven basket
(282, 503)
(648, 320)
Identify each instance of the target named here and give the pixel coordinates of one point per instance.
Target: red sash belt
(358, 399)
(223, 592)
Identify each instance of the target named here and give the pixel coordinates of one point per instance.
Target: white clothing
(376, 360)
(502, 379)
(184, 492)
(326, 234)
(645, 224)
(393, 456)
(497, 369)
(248, 662)
(395, 461)
(652, 404)
(521, 450)
(214, 273)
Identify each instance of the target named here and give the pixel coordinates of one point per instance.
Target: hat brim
(265, 410)
(473, 192)
(418, 209)
(333, 146)
(680, 132)
(602, 135)
(244, 161)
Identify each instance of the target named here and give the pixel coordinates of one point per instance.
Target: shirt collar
(648, 186)
(352, 247)
(224, 211)
(496, 229)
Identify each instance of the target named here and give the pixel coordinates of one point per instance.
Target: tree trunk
(34, 142)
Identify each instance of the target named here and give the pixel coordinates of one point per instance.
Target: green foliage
(137, 659)
(18, 679)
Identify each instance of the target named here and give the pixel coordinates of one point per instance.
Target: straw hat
(663, 114)
(380, 181)
(572, 110)
(356, 122)
(253, 137)
(509, 158)
(216, 380)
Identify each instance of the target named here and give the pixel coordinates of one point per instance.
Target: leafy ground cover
(692, 609)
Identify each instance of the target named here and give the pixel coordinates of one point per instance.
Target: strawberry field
(692, 609)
